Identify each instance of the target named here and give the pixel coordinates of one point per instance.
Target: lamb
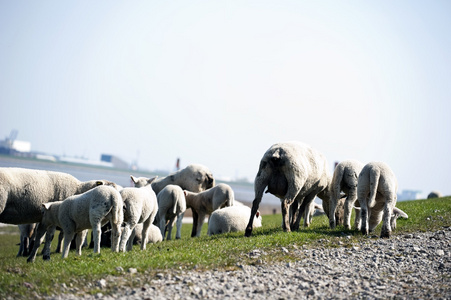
(171, 208)
(26, 238)
(295, 173)
(376, 193)
(344, 179)
(232, 219)
(204, 203)
(23, 191)
(141, 206)
(195, 178)
(434, 194)
(153, 235)
(78, 213)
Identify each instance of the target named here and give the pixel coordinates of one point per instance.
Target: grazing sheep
(194, 178)
(231, 219)
(23, 191)
(79, 213)
(140, 206)
(171, 208)
(204, 203)
(345, 178)
(376, 192)
(26, 238)
(153, 235)
(295, 173)
(434, 194)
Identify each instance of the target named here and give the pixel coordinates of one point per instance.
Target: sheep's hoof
(385, 234)
(248, 232)
(46, 257)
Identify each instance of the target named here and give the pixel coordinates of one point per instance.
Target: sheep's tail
(374, 182)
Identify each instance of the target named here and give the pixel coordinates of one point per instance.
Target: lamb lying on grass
(345, 178)
(171, 208)
(204, 203)
(78, 213)
(153, 234)
(376, 191)
(232, 219)
(140, 205)
(295, 173)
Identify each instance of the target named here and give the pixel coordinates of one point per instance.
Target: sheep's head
(194, 178)
(142, 181)
(397, 213)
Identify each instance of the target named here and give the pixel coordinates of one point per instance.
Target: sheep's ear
(257, 214)
(46, 206)
(133, 178)
(151, 179)
(185, 193)
(99, 182)
(399, 213)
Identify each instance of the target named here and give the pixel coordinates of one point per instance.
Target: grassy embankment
(21, 279)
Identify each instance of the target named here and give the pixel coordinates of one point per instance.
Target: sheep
(141, 206)
(231, 219)
(171, 208)
(26, 238)
(23, 191)
(195, 178)
(295, 173)
(376, 193)
(434, 194)
(79, 213)
(153, 235)
(344, 179)
(204, 203)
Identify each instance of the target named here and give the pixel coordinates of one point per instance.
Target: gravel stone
(411, 266)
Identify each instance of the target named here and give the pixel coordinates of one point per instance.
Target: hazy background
(219, 82)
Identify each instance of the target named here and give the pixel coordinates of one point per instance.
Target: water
(244, 192)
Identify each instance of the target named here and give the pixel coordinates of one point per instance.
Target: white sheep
(345, 178)
(295, 173)
(376, 192)
(79, 213)
(153, 235)
(140, 206)
(171, 208)
(23, 191)
(231, 219)
(204, 203)
(195, 178)
(434, 194)
(26, 238)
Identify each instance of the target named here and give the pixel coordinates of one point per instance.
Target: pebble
(402, 267)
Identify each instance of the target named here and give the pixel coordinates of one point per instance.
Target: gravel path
(410, 266)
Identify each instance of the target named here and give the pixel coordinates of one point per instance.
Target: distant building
(8, 146)
(115, 161)
(409, 195)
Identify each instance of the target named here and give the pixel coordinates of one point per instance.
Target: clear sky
(219, 82)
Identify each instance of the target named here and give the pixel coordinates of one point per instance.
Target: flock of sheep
(293, 171)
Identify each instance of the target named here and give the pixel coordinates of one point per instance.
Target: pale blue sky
(219, 82)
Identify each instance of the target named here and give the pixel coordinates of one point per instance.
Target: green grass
(20, 279)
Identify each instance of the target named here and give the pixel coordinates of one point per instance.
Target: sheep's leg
(171, 223)
(331, 212)
(195, 221)
(388, 211)
(40, 231)
(349, 203)
(163, 225)
(23, 241)
(200, 222)
(60, 242)
(131, 239)
(79, 239)
(178, 234)
(68, 237)
(145, 233)
(364, 215)
(357, 220)
(126, 235)
(96, 232)
(116, 235)
(48, 242)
